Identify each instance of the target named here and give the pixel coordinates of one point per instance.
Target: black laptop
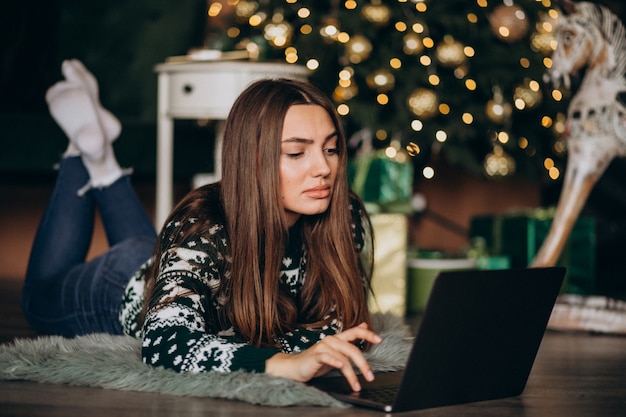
(477, 340)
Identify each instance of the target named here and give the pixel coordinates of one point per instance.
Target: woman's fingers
(350, 354)
(336, 360)
(353, 355)
(333, 352)
(360, 332)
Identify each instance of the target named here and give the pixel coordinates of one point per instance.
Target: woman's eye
(332, 151)
(295, 155)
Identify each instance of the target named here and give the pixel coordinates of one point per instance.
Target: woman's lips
(318, 192)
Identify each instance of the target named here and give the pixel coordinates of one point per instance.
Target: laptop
(477, 340)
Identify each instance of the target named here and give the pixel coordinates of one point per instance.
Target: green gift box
(384, 184)
(520, 234)
(423, 267)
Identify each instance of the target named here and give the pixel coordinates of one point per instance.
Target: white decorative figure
(590, 38)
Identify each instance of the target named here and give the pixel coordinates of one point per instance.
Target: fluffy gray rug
(114, 362)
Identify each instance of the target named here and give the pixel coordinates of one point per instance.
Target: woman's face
(308, 161)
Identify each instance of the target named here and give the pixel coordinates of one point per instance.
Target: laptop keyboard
(384, 394)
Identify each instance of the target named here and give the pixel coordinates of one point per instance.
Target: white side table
(201, 90)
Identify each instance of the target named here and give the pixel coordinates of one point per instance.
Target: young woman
(261, 272)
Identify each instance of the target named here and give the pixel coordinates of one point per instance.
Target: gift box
(390, 251)
(477, 250)
(520, 234)
(384, 184)
(423, 268)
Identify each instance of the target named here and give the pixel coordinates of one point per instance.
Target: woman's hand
(332, 352)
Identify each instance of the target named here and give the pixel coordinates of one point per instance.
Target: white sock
(105, 171)
(74, 70)
(73, 109)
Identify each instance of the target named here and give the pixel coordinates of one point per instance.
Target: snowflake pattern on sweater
(187, 335)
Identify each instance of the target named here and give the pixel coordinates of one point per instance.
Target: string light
(554, 173)
(413, 149)
(343, 109)
(350, 4)
(312, 64)
(417, 125)
(467, 118)
(470, 84)
(215, 9)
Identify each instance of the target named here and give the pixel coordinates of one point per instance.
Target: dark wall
(29, 40)
(119, 41)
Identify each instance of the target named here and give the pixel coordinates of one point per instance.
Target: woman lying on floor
(260, 272)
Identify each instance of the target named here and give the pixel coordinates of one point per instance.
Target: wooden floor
(575, 375)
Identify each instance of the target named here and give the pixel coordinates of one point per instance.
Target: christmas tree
(427, 78)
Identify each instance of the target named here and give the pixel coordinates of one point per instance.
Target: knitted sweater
(186, 334)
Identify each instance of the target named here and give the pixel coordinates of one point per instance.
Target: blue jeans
(65, 295)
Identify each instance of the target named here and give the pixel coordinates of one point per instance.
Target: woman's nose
(320, 167)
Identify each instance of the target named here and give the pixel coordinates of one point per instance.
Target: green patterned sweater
(186, 334)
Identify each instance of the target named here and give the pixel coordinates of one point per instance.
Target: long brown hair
(336, 276)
